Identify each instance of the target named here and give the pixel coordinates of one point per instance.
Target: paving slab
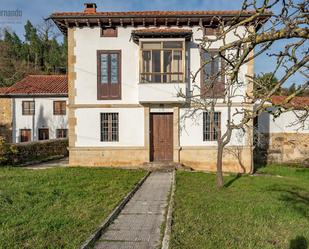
(138, 226)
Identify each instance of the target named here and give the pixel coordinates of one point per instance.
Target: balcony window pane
(104, 68)
(114, 68)
(156, 65)
(151, 45)
(177, 66)
(172, 44)
(146, 61)
(167, 63)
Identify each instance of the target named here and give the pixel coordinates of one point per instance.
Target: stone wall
(6, 119)
(108, 157)
(283, 148)
(235, 159)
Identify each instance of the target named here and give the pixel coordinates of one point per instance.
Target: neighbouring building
(5, 116)
(124, 72)
(283, 139)
(36, 108)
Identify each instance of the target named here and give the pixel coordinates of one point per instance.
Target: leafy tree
(40, 52)
(264, 83)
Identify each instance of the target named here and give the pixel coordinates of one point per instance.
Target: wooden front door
(161, 137)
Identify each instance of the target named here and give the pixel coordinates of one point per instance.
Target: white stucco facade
(43, 118)
(88, 42)
(131, 127)
(287, 122)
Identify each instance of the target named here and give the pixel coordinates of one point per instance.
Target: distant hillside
(38, 53)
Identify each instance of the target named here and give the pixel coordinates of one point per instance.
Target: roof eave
(64, 22)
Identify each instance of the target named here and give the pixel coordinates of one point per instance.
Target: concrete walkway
(64, 162)
(139, 223)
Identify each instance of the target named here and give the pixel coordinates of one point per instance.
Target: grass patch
(250, 212)
(59, 207)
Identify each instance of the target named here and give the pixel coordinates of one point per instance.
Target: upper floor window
(212, 76)
(109, 74)
(28, 107)
(59, 107)
(211, 30)
(162, 62)
(109, 32)
(211, 126)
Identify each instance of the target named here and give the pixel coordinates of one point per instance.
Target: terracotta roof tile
(3, 90)
(295, 102)
(155, 13)
(40, 85)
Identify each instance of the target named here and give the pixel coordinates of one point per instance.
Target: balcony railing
(162, 77)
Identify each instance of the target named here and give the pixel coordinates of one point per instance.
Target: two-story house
(125, 70)
(37, 107)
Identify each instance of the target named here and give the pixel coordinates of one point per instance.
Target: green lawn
(250, 212)
(58, 208)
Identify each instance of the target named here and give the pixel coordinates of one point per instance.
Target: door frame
(151, 156)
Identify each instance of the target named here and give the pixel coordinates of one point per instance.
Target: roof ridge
(149, 10)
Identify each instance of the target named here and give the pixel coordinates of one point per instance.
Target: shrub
(5, 151)
(21, 153)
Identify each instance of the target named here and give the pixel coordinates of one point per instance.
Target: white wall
(195, 64)
(88, 41)
(191, 128)
(131, 127)
(44, 117)
(131, 120)
(286, 122)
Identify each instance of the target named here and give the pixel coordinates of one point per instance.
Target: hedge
(22, 153)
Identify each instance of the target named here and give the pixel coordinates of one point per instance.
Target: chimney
(90, 8)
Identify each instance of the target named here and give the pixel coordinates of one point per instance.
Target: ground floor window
(61, 133)
(210, 133)
(43, 134)
(25, 135)
(109, 127)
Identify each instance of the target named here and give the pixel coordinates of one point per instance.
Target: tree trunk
(219, 165)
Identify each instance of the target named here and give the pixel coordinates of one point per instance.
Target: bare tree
(251, 38)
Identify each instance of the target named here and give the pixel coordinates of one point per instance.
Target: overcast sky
(36, 10)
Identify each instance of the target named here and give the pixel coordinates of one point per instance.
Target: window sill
(160, 83)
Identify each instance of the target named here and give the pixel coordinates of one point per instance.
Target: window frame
(30, 112)
(213, 135)
(109, 137)
(20, 135)
(211, 30)
(100, 86)
(218, 90)
(61, 111)
(162, 49)
(61, 130)
(109, 33)
(40, 129)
